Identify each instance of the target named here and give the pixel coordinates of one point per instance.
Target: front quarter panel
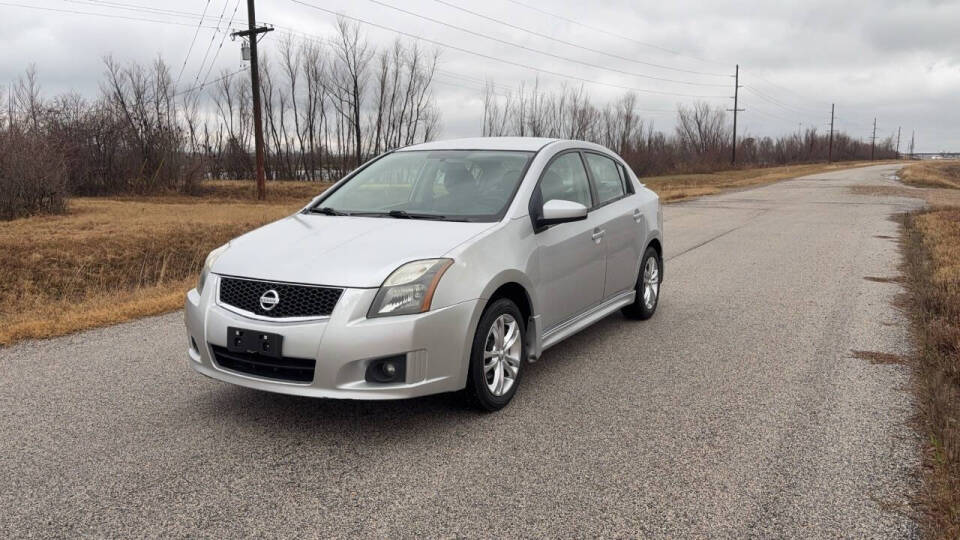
(499, 256)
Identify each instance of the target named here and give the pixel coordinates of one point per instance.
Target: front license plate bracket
(255, 342)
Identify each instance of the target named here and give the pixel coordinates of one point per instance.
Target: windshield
(471, 185)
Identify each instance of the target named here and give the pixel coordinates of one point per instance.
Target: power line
(571, 44)
(788, 107)
(775, 85)
(107, 15)
(754, 108)
(500, 89)
(135, 8)
(501, 60)
(469, 80)
(192, 42)
(205, 83)
(223, 38)
(213, 37)
(166, 12)
(778, 103)
(538, 51)
(614, 34)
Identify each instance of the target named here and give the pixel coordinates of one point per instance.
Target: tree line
(701, 141)
(327, 107)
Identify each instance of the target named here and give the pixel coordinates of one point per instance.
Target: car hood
(344, 251)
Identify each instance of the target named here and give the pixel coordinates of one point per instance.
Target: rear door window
(606, 177)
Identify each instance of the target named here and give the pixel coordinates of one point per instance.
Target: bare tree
(701, 130)
(349, 79)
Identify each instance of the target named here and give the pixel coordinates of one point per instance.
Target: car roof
(529, 144)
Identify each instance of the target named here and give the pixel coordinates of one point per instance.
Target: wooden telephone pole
(898, 142)
(873, 139)
(736, 94)
(252, 33)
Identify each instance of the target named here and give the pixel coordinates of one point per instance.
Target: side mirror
(560, 211)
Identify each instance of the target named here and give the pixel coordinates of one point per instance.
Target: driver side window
(566, 179)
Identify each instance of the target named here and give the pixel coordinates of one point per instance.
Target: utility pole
(736, 94)
(873, 139)
(252, 33)
(913, 136)
(898, 142)
(830, 151)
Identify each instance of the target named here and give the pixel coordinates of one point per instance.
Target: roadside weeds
(110, 260)
(935, 174)
(931, 247)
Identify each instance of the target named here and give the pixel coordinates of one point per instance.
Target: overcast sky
(898, 61)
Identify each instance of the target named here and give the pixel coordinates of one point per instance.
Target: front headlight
(211, 258)
(409, 289)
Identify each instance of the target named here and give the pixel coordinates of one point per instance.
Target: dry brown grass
(935, 174)
(685, 186)
(110, 260)
(932, 247)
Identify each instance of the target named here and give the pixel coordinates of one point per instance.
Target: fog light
(387, 370)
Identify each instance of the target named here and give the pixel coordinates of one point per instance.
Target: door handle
(637, 215)
(597, 235)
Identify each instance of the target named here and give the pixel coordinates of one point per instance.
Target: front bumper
(436, 345)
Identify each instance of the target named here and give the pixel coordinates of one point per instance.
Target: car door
(571, 255)
(621, 221)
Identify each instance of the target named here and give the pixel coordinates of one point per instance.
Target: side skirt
(571, 326)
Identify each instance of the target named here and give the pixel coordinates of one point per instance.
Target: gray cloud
(898, 61)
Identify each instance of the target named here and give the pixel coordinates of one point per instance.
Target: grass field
(114, 259)
(109, 260)
(933, 174)
(931, 246)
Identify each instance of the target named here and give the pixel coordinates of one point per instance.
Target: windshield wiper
(328, 211)
(403, 214)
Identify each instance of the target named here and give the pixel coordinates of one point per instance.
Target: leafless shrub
(29, 185)
(32, 176)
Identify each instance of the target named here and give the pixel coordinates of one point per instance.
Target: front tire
(497, 356)
(648, 287)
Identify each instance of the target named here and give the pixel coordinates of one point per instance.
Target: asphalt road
(738, 410)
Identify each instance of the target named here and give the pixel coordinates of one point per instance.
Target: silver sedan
(438, 267)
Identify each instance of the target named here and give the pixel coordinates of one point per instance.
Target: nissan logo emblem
(269, 300)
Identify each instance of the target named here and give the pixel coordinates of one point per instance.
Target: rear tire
(497, 356)
(648, 287)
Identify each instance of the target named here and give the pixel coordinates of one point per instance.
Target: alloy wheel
(651, 282)
(501, 354)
